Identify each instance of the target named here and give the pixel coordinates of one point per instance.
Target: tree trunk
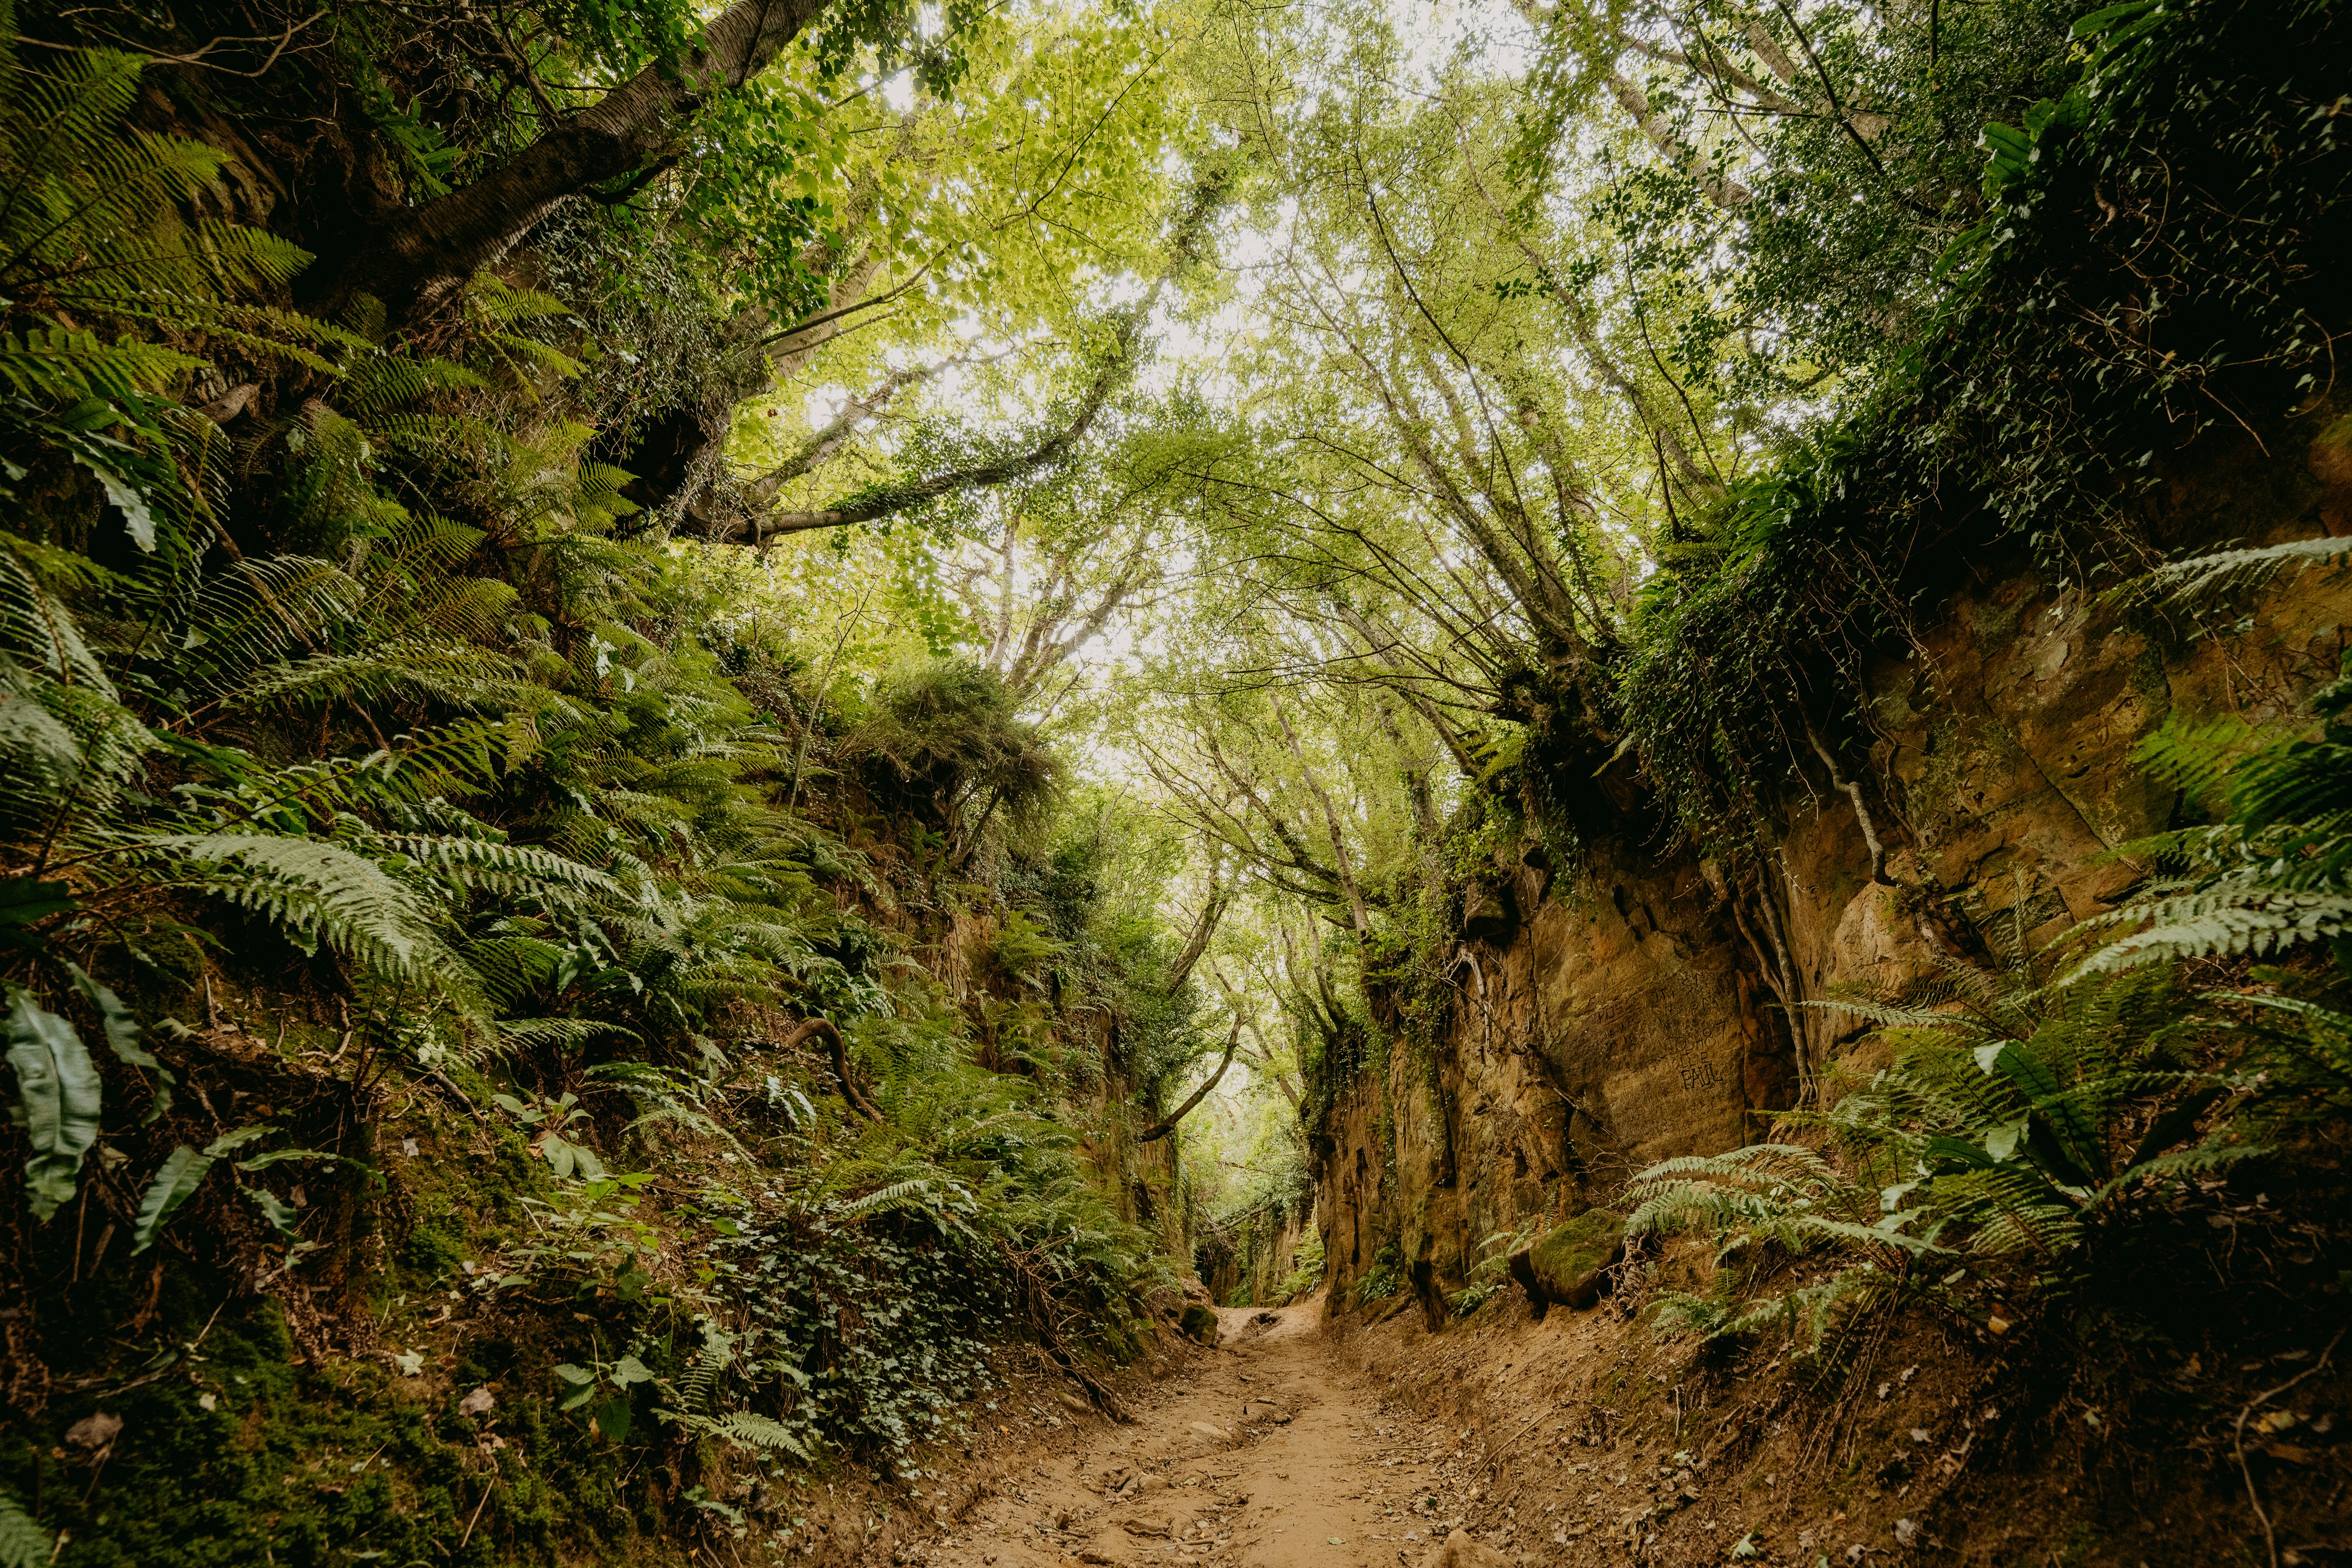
(426, 253)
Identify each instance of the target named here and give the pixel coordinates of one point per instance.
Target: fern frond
(761, 1432)
(2241, 915)
(248, 614)
(1886, 1015)
(317, 893)
(2218, 574)
(898, 1194)
(36, 628)
(61, 365)
(560, 1031)
(514, 870)
(742, 1427)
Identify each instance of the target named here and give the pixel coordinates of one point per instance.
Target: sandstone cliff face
(1630, 1010)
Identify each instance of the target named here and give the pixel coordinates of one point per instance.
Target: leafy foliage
(946, 733)
(2276, 872)
(363, 699)
(2020, 1120)
(2075, 421)
(23, 1543)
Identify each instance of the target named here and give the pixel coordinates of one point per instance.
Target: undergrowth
(412, 892)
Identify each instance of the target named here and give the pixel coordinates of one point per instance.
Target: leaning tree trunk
(424, 254)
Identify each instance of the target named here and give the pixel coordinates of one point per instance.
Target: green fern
(2218, 574)
(2014, 1116)
(515, 870)
(89, 223)
(758, 1432)
(318, 893)
(22, 1543)
(562, 1033)
(59, 365)
(912, 1194)
(2276, 872)
(2243, 914)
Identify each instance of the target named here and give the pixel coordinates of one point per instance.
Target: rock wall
(1627, 1010)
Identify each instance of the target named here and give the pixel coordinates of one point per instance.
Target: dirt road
(1263, 1455)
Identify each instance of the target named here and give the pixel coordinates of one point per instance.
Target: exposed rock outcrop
(1631, 1009)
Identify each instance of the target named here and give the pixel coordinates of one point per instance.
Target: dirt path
(1263, 1455)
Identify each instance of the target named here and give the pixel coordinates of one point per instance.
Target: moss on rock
(1199, 1322)
(1568, 1266)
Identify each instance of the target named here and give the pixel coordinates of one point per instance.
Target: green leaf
(58, 1100)
(629, 1370)
(184, 1171)
(1967, 1154)
(136, 515)
(579, 1375)
(2107, 17)
(275, 1210)
(230, 1142)
(2071, 1145)
(2001, 1142)
(567, 1157)
(611, 1418)
(122, 1038)
(2051, 1152)
(23, 899)
(262, 1162)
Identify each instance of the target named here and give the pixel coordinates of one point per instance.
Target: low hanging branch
(851, 1094)
(1167, 1124)
(1116, 370)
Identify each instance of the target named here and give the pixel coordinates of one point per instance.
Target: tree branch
(1117, 369)
(851, 1094)
(1167, 1124)
(424, 254)
(1198, 943)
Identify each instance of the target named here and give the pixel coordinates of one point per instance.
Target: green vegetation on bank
(716, 725)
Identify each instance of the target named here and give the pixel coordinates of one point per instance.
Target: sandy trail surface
(1265, 1454)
